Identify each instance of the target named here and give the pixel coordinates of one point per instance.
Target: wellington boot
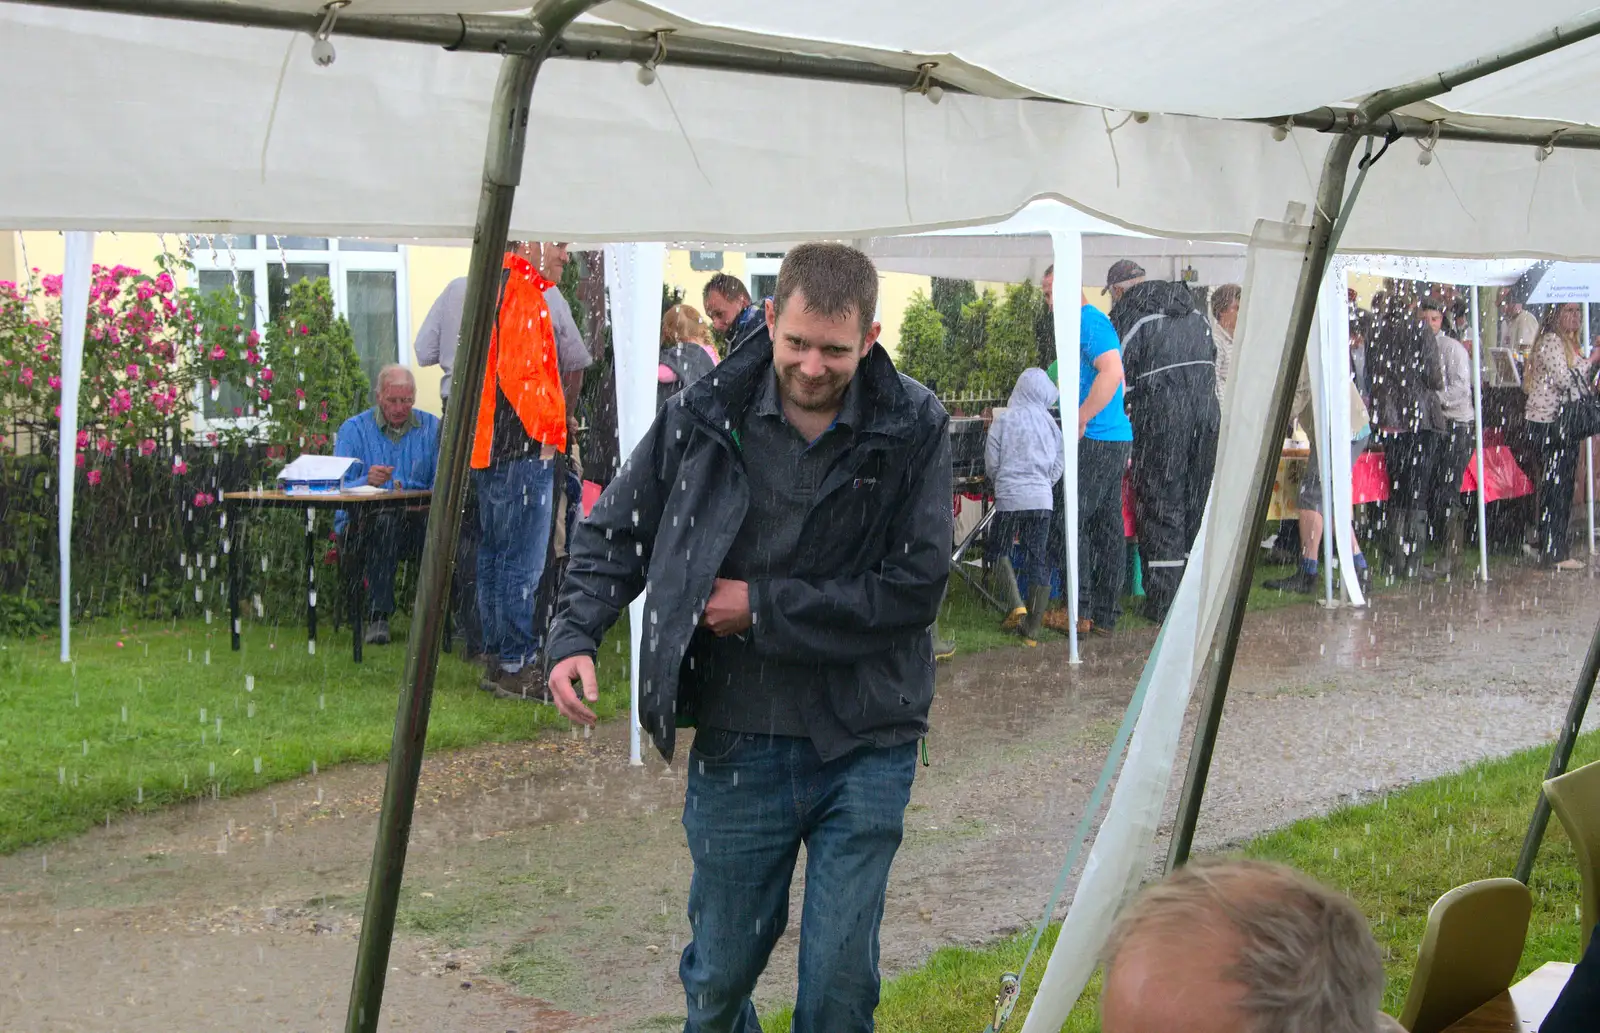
(1038, 603)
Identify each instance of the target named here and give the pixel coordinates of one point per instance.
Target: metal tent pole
(1477, 432)
(1561, 755)
(502, 171)
(1330, 198)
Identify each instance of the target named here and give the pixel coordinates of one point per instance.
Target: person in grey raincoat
(789, 523)
(1024, 459)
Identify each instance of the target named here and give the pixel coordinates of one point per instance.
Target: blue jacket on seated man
(395, 446)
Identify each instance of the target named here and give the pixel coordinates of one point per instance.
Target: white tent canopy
(178, 125)
(1018, 248)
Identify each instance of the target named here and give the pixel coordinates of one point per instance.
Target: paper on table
(363, 489)
(316, 468)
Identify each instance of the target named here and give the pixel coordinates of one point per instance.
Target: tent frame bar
(502, 172)
(1332, 212)
(503, 34)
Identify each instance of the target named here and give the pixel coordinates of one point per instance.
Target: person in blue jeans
(1024, 459)
(789, 524)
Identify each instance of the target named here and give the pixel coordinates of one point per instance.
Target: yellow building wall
(429, 271)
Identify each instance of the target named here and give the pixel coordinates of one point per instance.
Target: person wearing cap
(1170, 367)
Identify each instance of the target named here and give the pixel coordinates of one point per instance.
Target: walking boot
(1010, 595)
(1038, 602)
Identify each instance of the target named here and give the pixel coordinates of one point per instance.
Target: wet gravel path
(242, 913)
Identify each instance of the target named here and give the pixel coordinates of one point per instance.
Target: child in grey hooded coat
(1024, 460)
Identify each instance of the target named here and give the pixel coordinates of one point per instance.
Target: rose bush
(145, 529)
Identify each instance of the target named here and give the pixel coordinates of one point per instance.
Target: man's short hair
(1306, 957)
(1225, 297)
(395, 371)
(730, 287)
(1432, 304)
(835, 278)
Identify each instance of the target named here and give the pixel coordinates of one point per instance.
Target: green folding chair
(1469, 952)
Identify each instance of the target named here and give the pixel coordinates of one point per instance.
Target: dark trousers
(1102, 547)
(389, 537)
(1455, 451)
(464, 619)
(1410, 457)
(1558, 469)
(752, 801)
(1029, 528)
(1174, 455)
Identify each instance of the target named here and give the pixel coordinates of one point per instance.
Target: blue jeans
(514, 520)
(752, 800)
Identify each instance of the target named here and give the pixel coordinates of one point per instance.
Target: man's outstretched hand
(571, 672)
(728, 609)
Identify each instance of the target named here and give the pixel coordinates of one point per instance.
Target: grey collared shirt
(736, 689)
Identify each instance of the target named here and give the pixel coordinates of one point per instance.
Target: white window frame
(339, 262)
(754, 267)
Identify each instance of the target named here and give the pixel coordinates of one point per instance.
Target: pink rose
(304, 330)
(266, 375)
(219, 352)
(252, 339)
(55, 383)
(52, 286)
(179, 467)
(164, 283)
(201, 500)
(131, 370)
(80, 461)
(266, 394)
(26, 376)
(104, 445)
(93, 477)
(147, 447)
(83, 439)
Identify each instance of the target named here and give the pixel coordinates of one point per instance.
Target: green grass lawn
(148, 715)
(1394, 856)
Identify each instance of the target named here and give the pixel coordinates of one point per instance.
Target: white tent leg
(74, 317)
(1068, 247)
(634, 273)
(1477, 434)
(1324, 422)
(1588, 448)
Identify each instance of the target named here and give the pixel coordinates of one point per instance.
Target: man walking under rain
(789, 523)
(1169, 362)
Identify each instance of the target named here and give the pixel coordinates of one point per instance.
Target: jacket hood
(1156, 297)
(1034, 388)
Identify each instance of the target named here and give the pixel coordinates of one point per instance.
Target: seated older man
(1223, 946)
(395, 446)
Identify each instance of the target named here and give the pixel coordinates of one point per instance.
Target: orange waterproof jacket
(522, 363)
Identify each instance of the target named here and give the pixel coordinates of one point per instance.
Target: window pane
(763, 285)
(281, 277)
(366, 245)
(374, 309)
(227, 397)
(203, 242)
(297, 243)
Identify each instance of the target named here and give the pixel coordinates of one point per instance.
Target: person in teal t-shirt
(1104, 447)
